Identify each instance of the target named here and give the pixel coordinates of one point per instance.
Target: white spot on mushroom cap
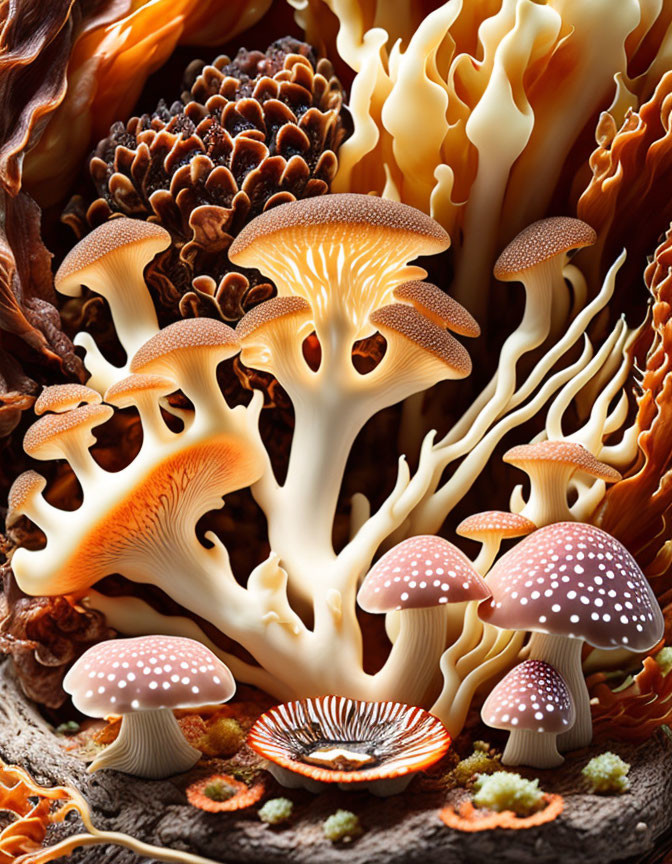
(391, 583)
(570, 603)
(532, 697)
(151, 684)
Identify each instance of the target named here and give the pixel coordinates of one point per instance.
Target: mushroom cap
(124, 393)
(572, 579)
(106, 240)
(329, 217)
(540, 241)
(438, 306)
(532, 697)
(364, 741)
(41, 439)
(418, 573)
(159, 353)
(497, 523)
(563, 453)
(65, 397)
(261, 316)
(407, 322)
(146, 673)
(26, 486)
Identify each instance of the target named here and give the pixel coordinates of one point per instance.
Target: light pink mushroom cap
(533, 697)
(572, 579)
(146, 673)
(418, 573)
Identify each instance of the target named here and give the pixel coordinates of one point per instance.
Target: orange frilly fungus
(243, 795)
(635, 712)
(465, 817)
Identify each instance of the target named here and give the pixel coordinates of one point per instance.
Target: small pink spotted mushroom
(144, 679)
(534, 704)
(419, 578)
(568, 583)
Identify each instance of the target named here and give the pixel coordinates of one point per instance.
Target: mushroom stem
(412, 666)
(564, 654)
(150, 744)
(535, 749)
(485, 558)
(549, 483)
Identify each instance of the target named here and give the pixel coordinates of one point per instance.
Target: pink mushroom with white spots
(534, 704)
(568, 583)
(144, 679)
(419, 578)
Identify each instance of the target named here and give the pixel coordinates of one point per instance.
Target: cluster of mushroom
(341, 266)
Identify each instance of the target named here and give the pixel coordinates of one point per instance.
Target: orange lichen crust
(242, 795)
(635, 712)
(465, 817)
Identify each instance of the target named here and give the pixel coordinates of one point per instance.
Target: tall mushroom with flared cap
(144, 679)
(571, 583)
(111, 261)
(533, 703)
(344, 256)
(144, 392)
(490, 528)
(550, 465)
(418, 578)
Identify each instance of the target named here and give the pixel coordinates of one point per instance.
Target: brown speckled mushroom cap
(540, 241)
(438, 306)
(265, 314)
(147, 673)
(533, 697)
(42, 438)
(125, 392)
(26, 486)
(566, 453)
(398, 320)
(572, 579)
(338, 740)
(65, 397)
(159, 355)
(495, 523)
(418, 573)
(331, 218)
(118, 235)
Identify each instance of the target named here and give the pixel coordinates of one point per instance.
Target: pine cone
(248, 134)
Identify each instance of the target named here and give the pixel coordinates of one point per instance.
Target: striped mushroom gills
(569, 583)
(490, 528)
(377, 746)
(550, 466)
(533, 703)
(143, 679)
(419, 578)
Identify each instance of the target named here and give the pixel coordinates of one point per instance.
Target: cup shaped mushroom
(143, 679)
(550, 465)
(569, 583)
(534, 704)
(377, 746)
(418, 579)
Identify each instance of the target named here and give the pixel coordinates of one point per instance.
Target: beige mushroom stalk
(344, 256)
(111, 261)
(550, 466)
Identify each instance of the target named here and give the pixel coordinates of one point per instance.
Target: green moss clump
(480, 762)
(218, 790)
(664, 659)
(607, 774)
(505, 790)
(341, 825)
(276, 811)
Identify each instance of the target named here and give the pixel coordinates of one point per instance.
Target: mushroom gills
(380, 788)
(150, 744)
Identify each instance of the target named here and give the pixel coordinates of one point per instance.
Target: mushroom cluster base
(400, 830)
